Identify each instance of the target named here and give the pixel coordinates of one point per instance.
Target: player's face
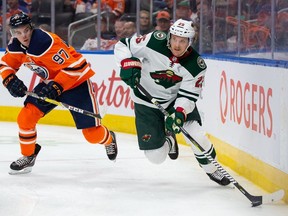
(178, 45)
(23, 34)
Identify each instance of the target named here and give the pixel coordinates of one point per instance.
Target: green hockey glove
(175, 120)
(130, 71)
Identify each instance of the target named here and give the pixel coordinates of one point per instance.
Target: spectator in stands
(119, 29)
(117, 7)
(207, 30)
(145, 25)
(252, 7)
(281, 32)
(281, 4)
(183, 11)
(84, 6)
(130, 29)
(191, 4)
(14, 7)
(169, 7)
(26, 3)
(264, 16)
(105, 43)
(79, 6)
(163, 21)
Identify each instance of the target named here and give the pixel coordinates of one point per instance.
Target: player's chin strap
(256, 200)
(69, 107)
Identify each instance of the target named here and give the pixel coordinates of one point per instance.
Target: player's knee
(95, 135)
(157, 156)
(29, 116)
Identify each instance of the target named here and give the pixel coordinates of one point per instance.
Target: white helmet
(182, 28)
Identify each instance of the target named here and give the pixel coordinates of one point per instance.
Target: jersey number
(199, 82)
(60, 56)
(141, 38)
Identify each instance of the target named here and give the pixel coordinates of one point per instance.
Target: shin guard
(27, 120)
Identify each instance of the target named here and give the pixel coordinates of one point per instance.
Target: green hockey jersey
(166, 77)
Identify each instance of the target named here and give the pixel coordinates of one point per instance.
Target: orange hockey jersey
(114, 5)
(49, 57)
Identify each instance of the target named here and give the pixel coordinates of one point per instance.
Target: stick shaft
(67, 106)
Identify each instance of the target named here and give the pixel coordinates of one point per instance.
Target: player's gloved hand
(130, 71)
(15, 86)
(175, 120)
(52, 90)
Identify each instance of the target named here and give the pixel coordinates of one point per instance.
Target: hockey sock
(204, 162)
(200, 136)
(99, 134)
(27, 120)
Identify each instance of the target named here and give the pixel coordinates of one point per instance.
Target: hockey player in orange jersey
(66, 77)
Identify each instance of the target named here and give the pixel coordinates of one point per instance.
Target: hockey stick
(255, 200)
(69, 107)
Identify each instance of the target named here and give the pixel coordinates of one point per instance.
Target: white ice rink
(74, 178)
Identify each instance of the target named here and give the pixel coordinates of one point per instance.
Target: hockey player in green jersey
(172, 72)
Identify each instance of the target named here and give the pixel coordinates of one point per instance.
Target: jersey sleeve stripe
(76, 68)
(80, 73)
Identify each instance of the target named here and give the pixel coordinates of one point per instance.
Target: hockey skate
(219, 178)
(24, 164)
(174, 150)
(112, 150)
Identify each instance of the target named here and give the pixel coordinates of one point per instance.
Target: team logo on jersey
(201, 62)
(159, 35)
(39, 70)
(146, 137)
(165, 78)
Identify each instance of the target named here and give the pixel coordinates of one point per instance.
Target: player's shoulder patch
(193, 63)
(159, 35)
(201, 63)
(158, 43)
(40, 42)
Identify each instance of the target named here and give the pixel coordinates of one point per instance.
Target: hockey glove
(52, 90)
(175, 120)
(130, 71)
(15, 86)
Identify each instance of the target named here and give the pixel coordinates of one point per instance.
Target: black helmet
(19, 19)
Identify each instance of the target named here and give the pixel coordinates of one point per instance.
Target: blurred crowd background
(241, 28)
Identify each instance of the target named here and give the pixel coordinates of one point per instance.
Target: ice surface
(72, 177)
